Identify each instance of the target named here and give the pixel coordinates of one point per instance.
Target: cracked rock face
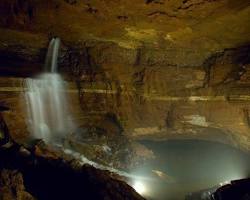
(165, 69)
(12, 186)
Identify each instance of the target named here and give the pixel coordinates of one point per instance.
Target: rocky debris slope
(12, 186)
(106, 143)
(49, 174)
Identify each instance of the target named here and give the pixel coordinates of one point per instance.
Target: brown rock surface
(165, 69)
(12, 186)
(50, 174)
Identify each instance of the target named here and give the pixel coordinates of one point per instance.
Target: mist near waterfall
(195, 165)
(48, 117)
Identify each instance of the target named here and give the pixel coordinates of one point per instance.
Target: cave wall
(166, 69)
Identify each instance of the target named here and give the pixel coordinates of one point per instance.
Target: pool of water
(184, 166)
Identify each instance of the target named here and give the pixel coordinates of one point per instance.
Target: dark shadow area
(56, 178)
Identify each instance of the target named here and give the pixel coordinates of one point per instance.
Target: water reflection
(181, 167)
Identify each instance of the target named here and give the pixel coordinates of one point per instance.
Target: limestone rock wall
(165, 69)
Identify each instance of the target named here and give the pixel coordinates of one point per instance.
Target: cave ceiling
(167, 69)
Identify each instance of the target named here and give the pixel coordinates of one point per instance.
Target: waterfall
(46, 104)
(52, 55)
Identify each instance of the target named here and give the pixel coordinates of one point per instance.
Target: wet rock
(106, 143)
(237, 189)
(57, 177)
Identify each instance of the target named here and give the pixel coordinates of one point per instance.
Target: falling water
(46, 104)
(52, 55)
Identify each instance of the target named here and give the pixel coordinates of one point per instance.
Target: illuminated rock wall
(165, 69)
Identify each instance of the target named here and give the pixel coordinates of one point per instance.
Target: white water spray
(47, 114)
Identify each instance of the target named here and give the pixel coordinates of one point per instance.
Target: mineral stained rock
(165, 69)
